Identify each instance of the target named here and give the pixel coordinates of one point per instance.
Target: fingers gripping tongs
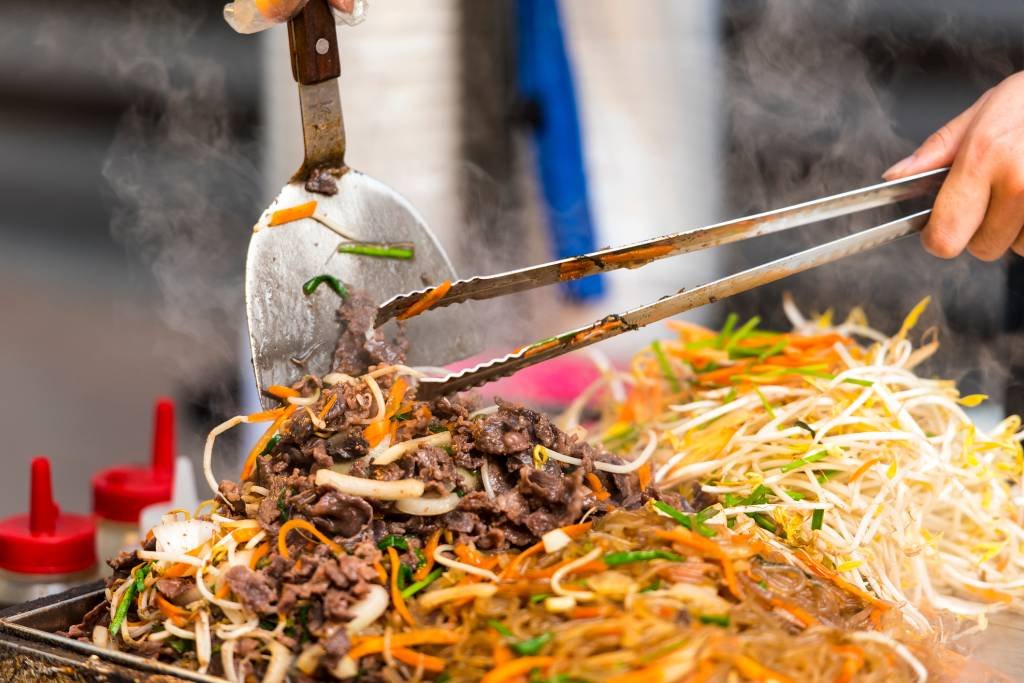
(641, 253)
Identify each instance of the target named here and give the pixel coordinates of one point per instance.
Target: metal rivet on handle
(322, 46)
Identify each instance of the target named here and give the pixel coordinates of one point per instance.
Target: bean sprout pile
(839, 450)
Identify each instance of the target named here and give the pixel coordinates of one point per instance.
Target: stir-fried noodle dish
(737, 505)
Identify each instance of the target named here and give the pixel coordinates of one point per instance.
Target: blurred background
(140, 141)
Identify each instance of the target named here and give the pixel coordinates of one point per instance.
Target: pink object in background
(553, 383)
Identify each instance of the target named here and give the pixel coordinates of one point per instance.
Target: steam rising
(186, 189)
(810, 114)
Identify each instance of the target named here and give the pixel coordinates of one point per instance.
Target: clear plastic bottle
(119, 494)
(45, 551)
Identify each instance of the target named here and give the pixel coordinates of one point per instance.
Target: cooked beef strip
(252, 589)
(318, 592)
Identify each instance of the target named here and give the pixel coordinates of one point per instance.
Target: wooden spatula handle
(313, 39)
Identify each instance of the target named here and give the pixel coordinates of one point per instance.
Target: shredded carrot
(381, 573)
(574, 530)
(223, 591)
(258, 554)
(293, 524)
(595, 483)
(265, 415)
(517, 667)
(639, 256)
(705, 670)
(710, 548)
(834, 577)
(853, 658)
(395, 396)
(428, 553)
(180, 569)
(245, 534)
(589, 612)
(758, 672)
(250, 462)
(654, 673)
(501, 652)
(989, 594)
(375, 432)
(368, 645)
(643, 473)
(426, 301)
(722, 374)
(178, 615)
(292, 213)
(418, 659)
(797, 612)
(534, 349)
(396, 595)
(859, 472)
(517, 560)
(281, 392)
(328, 404)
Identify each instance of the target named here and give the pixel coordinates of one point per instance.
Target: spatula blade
(284, 323)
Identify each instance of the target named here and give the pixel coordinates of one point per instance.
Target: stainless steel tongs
(641, 253)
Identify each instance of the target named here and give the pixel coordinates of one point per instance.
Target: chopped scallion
(666, 366)
(310, 285)
(402, 251)
(806, 460)
(630, 556)
(817, 517)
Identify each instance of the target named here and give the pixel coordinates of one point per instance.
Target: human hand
(252, 16)
(981, 203)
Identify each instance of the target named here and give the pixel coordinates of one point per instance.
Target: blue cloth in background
(545, 79)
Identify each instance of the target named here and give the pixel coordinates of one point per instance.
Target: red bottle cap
(46, 541)
(120, 493)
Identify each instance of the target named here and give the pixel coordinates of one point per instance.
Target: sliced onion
(560, 603)
(428, 507)
(305, 400)
(470, 482)
(227, 661)
(204, 647)
(369, 609)
(473, 590)
(309, 660)
(555, 540)
(399, 449)
(439, 557)
(485, 477)
(100, 636)
(612, 468)
(345, 668)
(182, 536)
(370, 488)
(280, 662)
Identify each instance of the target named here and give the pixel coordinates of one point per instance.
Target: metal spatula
(287, 327)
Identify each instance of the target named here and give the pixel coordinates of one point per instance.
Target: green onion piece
(663, 650)
(310, 285)
(666, 367)
(404, 576)
(731, 396)
(652, 586)
(743, 332)
(140, 576)
(763, 584)
(272, 444)
(763, 521)
(824, 475)
(806, 460)
(443, 677)
(773, 350)
(714, 619)
(420, 585)
(796, 495)
(540, 597)
(402, 251)
(759, 496)
(817, 517)
(282, 508)
(858, 382)
(138, 583)
(691, 522)
(629, 556)
(806, 427)
(812, 371)
(180, 645)
(420, 557)
(764, 402)
(532, 646)
(393, 541)
(500, 628)
(727, 328)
